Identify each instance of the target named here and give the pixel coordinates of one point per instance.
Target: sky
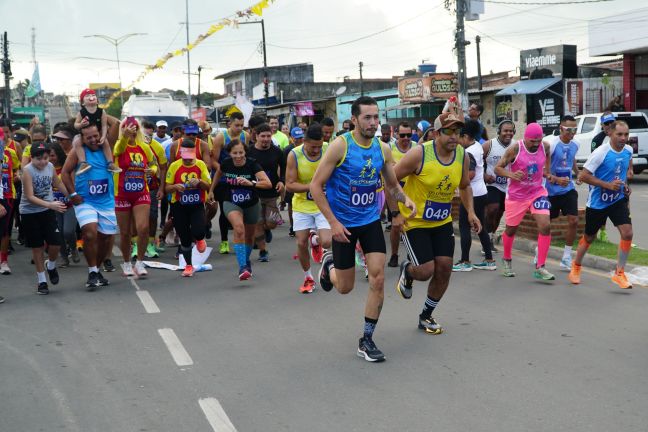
(409, 32)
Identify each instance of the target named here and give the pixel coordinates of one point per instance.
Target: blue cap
(423, 125)
(297, 133)
(191, 129)
(608, 118)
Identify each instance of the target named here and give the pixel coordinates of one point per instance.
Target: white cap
(161, 123)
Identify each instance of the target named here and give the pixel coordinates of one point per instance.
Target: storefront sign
(414, 89)
(199, 114)
(304, 109)
(547, 109)
(504, 111)
(548, 62)
(574, 93)
(444, 85)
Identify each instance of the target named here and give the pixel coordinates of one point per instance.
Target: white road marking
(148, 302)
(216, 415)
(178, 352)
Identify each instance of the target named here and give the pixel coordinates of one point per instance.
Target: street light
(116, 42)
(265, 62)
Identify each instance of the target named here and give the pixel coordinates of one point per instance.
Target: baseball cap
(297, 133)
(191, 129)
(40, 148)
(446, 120)
(607, 118)
(176, 124)
(62, 134)
(86, 92)
(20, 135)
(161, 123)
(423, 125)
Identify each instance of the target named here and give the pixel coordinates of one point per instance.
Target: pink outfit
(532, 165)
(544, 241)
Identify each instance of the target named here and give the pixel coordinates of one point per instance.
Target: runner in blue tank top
(350, 171)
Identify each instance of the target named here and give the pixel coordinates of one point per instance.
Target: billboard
(548, 62)
(427, 88)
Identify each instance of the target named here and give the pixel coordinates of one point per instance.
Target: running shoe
(188, 271)
(574, 275)
(291, 232)
(462, 266)
(316, 250)
(307, 286)
(268, 236)
(79, 245)
(160, 246)
(140, 269)
(101, 280)
(127, 269)
(224, 248)
(75, 255)
(151, 252)
(621, 279)
(429, 325)
(359, 257)
(543, 274)
(114, 168)
(368, 350)
(485, 265)
(1, 299)
(366, 271)
(108, 266)
(63, 261)
(134, 251)
(388, 228)
(393, 261)
(84, 167)
(93, 281)
(404, 283)
(507, 268)
(324, 272)
(264, 256)
(244, 274)
(4, 268)
(201, 245)
(566, 262)
(602, 235)
(53, 274)
(42, 289)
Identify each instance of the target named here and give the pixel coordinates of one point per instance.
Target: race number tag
(436, 211)
(309, 197)
(58, 196)
(542, 203)
(190, 196)
(133, 184)
(362, 196)
(5, 181)
(610, 196)
(240, 196)
(501, 180)
(563, 172)
(98, 187)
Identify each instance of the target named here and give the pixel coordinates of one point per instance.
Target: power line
(543, 3)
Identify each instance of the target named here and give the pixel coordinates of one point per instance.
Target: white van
(154, 107)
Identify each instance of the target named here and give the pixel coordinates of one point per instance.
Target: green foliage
(115, 108)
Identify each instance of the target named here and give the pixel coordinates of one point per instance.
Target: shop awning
(400, 107)
(528, 87)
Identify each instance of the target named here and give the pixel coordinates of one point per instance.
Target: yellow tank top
(432, 188)
(302, 202)
(397, 154)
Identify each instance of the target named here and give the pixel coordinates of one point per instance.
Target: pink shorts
(515, 210)
(127, 201)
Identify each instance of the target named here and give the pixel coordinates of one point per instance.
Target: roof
(528, 87)
(238, 71)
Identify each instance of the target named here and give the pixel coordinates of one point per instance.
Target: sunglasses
(608, 123)
(450, 131)
(191, 134)
(405, 135)
(569, 129)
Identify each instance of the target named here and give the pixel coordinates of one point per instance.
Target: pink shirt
(532, 165)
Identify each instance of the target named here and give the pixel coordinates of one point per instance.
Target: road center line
(178, 352)
(216, 415)
(147, 301)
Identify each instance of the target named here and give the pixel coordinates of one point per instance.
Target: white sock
(41, 277)
(93, 269)
(567, 252)
(307, 274)
(51, 265)
(315, 240)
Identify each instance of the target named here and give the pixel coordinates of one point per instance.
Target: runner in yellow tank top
(435, 169)
(312, 230)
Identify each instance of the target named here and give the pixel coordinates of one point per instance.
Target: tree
(115, 108)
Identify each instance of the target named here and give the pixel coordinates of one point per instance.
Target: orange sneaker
(307, 286)
(620, 279)
(574, 275)
(201, 245)
(316, 251)
(188, 271)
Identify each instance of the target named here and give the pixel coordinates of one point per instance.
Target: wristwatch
(394, 213)
(254, 183)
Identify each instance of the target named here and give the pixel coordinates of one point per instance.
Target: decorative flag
(34, 87)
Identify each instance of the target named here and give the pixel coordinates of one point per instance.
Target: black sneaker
(291, 232)
(388, 228)
(108, 266)
(404, 283)
(429, 325)
(53, 275)
(268, 236)
(1, 299)
(102, 280)
(42, 288)
(393, 261)
(93, 281)
(324, 275)
(369, 351)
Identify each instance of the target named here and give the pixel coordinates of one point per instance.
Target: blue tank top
(562, 161)
(96, 185)
(352, 188)
(608, 165)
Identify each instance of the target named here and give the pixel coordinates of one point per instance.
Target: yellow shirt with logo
(302, 202)
(178, 172)
(432, 189)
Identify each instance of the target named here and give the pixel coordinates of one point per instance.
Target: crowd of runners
(159, 186)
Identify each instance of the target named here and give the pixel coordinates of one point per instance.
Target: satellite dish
(341, 90)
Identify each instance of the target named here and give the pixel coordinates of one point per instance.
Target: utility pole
(479, 75)
(361, 82)
(198, 97)
(460, 46)
(6, 70)
(266, 90)
(188, 59)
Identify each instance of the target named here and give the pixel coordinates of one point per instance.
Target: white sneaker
(140, 270)
(566, 262)
(4, 268)
(127, 269)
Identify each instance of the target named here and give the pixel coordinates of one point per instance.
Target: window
(228, 89)
(238, 87)
(589, 123)
(634, 122)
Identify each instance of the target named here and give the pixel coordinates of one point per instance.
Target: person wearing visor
(606, 121)
(188, 182)
(190, 130)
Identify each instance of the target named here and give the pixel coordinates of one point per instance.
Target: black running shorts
(371, 240)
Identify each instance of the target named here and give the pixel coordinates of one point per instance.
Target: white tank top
(477, 183)
(494, 155)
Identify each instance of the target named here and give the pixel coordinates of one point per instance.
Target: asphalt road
(219, 354)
